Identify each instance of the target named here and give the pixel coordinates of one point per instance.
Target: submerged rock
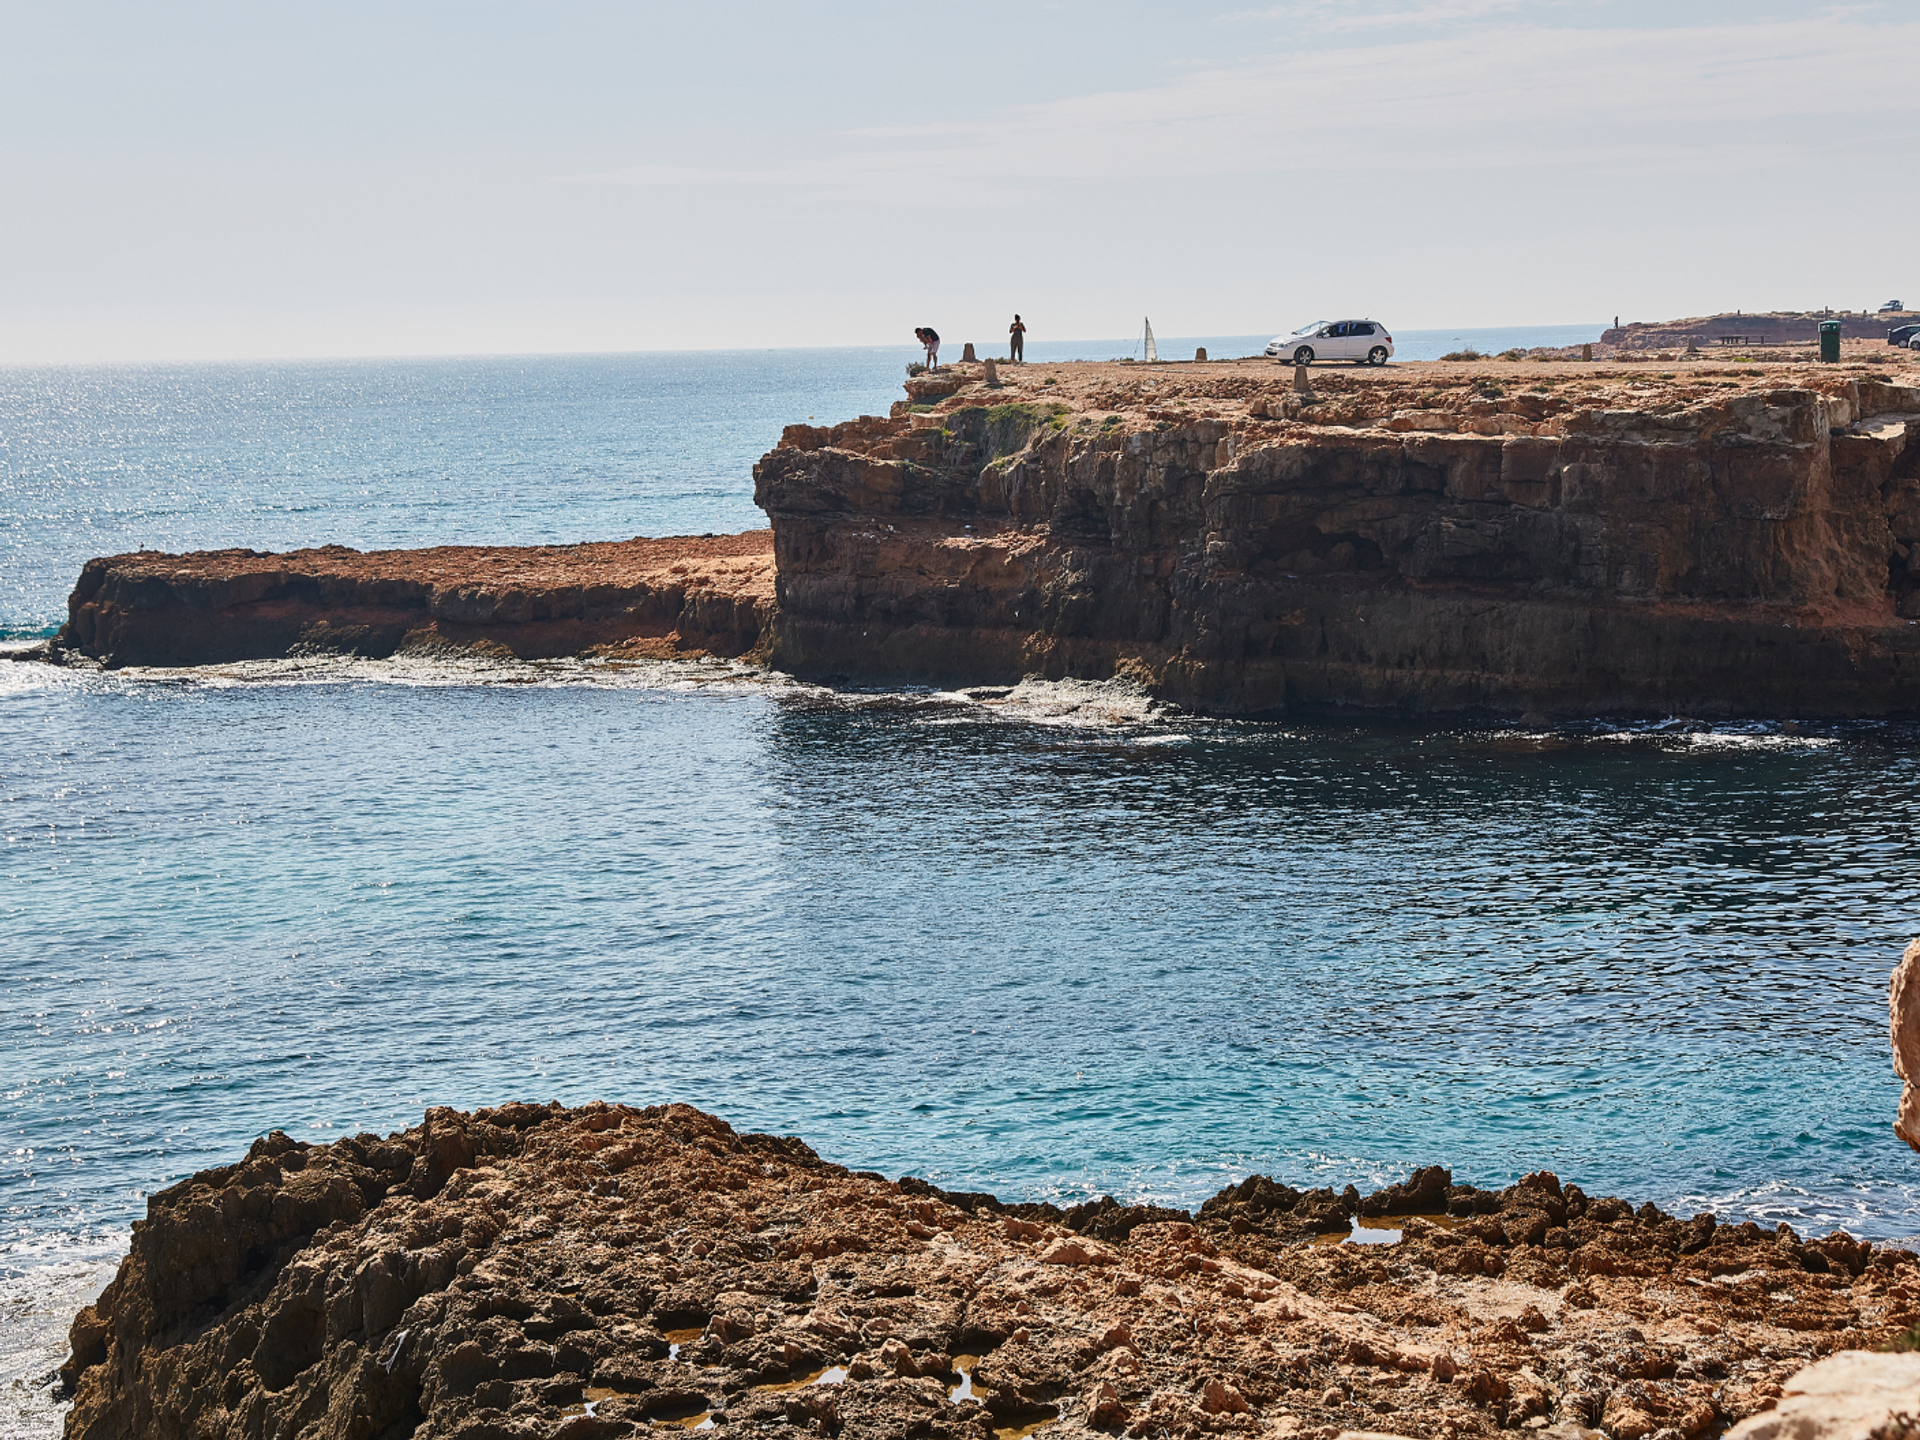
(602, 1271)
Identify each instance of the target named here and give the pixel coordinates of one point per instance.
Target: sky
(233, 180)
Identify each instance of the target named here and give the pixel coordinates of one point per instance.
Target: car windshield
(1309, 329)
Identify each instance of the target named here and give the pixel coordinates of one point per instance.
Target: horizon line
(905, 348)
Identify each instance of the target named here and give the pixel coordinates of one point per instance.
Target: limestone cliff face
(709, 594)
(1712, 549)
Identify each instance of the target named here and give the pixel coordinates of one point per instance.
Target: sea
(1053, 943)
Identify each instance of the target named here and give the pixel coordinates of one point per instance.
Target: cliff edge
(708, 594)
(1416, 540)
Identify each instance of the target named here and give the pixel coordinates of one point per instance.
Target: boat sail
(1151, 353)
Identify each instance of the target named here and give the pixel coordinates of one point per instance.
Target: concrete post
(1586, 352)
(1201, 353)
(1301, 385)
(966, 355)
(993, 372)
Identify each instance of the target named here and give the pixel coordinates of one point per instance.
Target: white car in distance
(1365, 342)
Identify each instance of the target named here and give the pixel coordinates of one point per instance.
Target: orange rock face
(683, 595)
(606, 1271)
(1903, 1007)
(1424, 539)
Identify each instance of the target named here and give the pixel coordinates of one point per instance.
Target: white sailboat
(1151, 354)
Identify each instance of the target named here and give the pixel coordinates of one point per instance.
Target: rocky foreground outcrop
(606, 1271)
(1425, 539)
(708, 594)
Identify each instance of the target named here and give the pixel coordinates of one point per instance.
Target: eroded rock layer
(711, 594)
(1417, 540)
(606, 1271)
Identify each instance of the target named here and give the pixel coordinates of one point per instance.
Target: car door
(1363, 339)
(1331, 343)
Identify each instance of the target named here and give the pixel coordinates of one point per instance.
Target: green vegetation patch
(1005, 429)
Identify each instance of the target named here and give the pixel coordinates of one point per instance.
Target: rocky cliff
(1903, 1007)
(1779, 327)
(692, 594)
(606, 1271)
(1421, 540)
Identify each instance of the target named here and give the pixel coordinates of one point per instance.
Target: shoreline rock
(685, 595)
(1903, 1027)
(532, 1270)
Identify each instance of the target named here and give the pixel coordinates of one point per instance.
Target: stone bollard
(1301, 385)
(1200, 354)
(966, 354)
(1586, 352)
(993, 374)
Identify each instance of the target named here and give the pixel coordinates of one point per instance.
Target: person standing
(1016, 341)
(929, 337)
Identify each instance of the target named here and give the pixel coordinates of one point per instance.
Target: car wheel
(1303, 356)
(1377, 355)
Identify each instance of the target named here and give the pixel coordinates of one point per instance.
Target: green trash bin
(1830, 340)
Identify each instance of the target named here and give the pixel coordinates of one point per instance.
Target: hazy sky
(202, 180)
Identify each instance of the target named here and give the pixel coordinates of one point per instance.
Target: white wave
(42, 1287)
(1755, 735)
(438, 668)
(1869, 1210)
(1093, 704)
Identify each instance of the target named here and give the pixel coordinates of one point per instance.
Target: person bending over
(930, 338)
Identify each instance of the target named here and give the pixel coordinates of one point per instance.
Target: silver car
(1365, 342)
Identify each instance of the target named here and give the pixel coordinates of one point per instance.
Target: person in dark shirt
(929, 337)
(1016, 341)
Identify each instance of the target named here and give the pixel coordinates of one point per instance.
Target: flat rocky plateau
(1657, 537)
(1666, 535)
(608, 1271)
(643, 598)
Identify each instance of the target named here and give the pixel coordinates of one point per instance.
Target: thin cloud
(1343, 16)
(1618, 100)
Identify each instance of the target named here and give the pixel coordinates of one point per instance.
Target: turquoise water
(1053, 946)
(377, 453)
(1041, 953)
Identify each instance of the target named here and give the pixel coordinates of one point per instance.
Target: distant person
(929, 337)
(1016, 341)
